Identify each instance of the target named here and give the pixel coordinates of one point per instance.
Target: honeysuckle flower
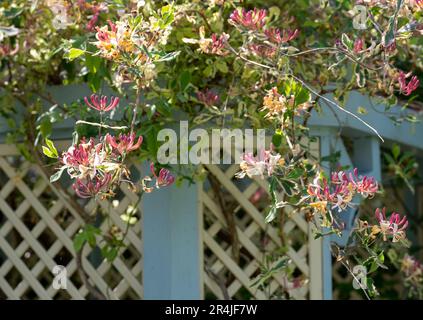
(263, 164)
(91, 187)
(125, 143)
(79, 154)
(252, 20)
(101, 103)
(262, 50)
(208, 97)
(217, 45)
(407, 88)
(412, 269)
(277, 36)
(93, 21)
(394, 226)
(83, 159)
(358, 45)
(7, 51)
(61, 18)
(320, 206)
(342, 188)
(214, 45)
(115, 41)
(163, 179)
(276, 104)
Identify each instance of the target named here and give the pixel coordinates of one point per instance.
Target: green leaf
(389, 35)
(109, 252)
(79, 241)
(52, 148)
(396, 151)
(74, 53)
(346, 41)
(222, 66)
(272, 215)
(184, 79)
(168, 56)
(277, 139)
(57, 175)
(47, 152)
(295, 174)
(301, 95)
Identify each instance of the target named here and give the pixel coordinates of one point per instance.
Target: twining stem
(308, 87)
(94, 124)
(134, 110)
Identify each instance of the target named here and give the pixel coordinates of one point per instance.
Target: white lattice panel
(256, 238)
(37, 226)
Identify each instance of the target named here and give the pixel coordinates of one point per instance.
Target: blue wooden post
(327, 138)
(172, 243)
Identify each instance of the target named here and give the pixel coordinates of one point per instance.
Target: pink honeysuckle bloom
(395, 226)
(208, 97)
(412, 269)
(407, 88)
(125, 144)
(263, 164)
(165, 178)
(358, 45)
(342, 188)
(251, 20)
(91, 187)
(83, 159)
(218, 44)
(79, 154)
(262, 50)
(93, 21)
(277, 36)
(101, 103)
(7, 51)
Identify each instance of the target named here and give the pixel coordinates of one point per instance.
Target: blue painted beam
(407, 133)
(172, 252)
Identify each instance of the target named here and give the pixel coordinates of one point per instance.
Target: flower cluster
(276, 104)
(7, 51)
(114, 42)
(262, 50)
(125, 143)
(208, 97)
(358, 45)
(98, 167)
(407, 88)
(263, 164)
(340, 191)
(163, 179)
(251, 20)
(132, 44)
(61, 18)
(95, 9)
(393, 227)
(412, 270)
(101, 103)
(216, 45)
(277, 36)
